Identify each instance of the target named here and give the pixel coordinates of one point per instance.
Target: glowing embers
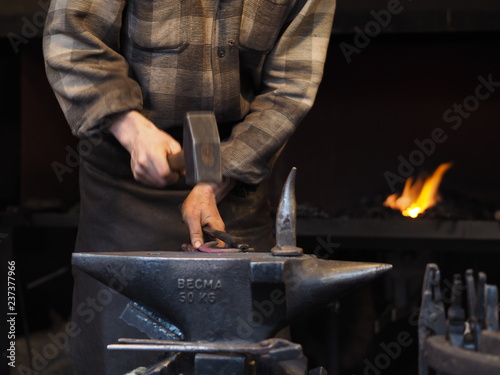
(419, 195)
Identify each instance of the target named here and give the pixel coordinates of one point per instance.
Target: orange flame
(419, 196)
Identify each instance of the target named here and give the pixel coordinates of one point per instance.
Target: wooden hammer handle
(176, 161)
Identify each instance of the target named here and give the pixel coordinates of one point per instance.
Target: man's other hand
(200, 209)
(148, 147)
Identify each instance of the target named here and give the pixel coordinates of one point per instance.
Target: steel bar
(276, 348)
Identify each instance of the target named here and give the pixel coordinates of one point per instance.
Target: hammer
(200, 157)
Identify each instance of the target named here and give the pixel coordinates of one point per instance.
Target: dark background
(368, 112)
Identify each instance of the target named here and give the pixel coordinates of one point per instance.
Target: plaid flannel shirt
(255, 63)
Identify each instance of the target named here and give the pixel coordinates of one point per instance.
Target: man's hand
(200, 208)
(148, 147)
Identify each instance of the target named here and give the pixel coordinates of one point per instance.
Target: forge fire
(418, 195)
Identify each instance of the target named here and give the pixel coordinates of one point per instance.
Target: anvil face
(238, 297)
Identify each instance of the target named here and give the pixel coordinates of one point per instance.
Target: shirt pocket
(159, 25)
(261, 23)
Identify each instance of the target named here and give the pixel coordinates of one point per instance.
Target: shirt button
(221, 52)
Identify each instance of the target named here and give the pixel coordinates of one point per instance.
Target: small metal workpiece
(231, 244)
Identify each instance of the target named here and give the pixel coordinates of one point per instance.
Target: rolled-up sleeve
(88, 75)
(291, 75)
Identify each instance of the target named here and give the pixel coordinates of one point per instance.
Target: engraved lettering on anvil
(199, 284)
(202, 285)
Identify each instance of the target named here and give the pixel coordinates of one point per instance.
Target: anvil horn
(315, 282)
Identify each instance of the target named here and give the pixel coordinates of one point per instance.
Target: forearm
(292, 73)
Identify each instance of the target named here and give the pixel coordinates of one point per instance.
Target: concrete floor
(50, 354)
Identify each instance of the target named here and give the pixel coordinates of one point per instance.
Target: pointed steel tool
(286, 220)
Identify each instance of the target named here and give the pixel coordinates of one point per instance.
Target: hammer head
(201, 148)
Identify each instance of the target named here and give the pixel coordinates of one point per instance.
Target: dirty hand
(148, 147)
(200, 208)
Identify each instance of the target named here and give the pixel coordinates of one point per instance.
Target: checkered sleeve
(291, 76)
(88, 75)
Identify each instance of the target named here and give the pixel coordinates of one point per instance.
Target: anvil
(237, 297)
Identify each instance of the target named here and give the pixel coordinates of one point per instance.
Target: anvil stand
(217, 314)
